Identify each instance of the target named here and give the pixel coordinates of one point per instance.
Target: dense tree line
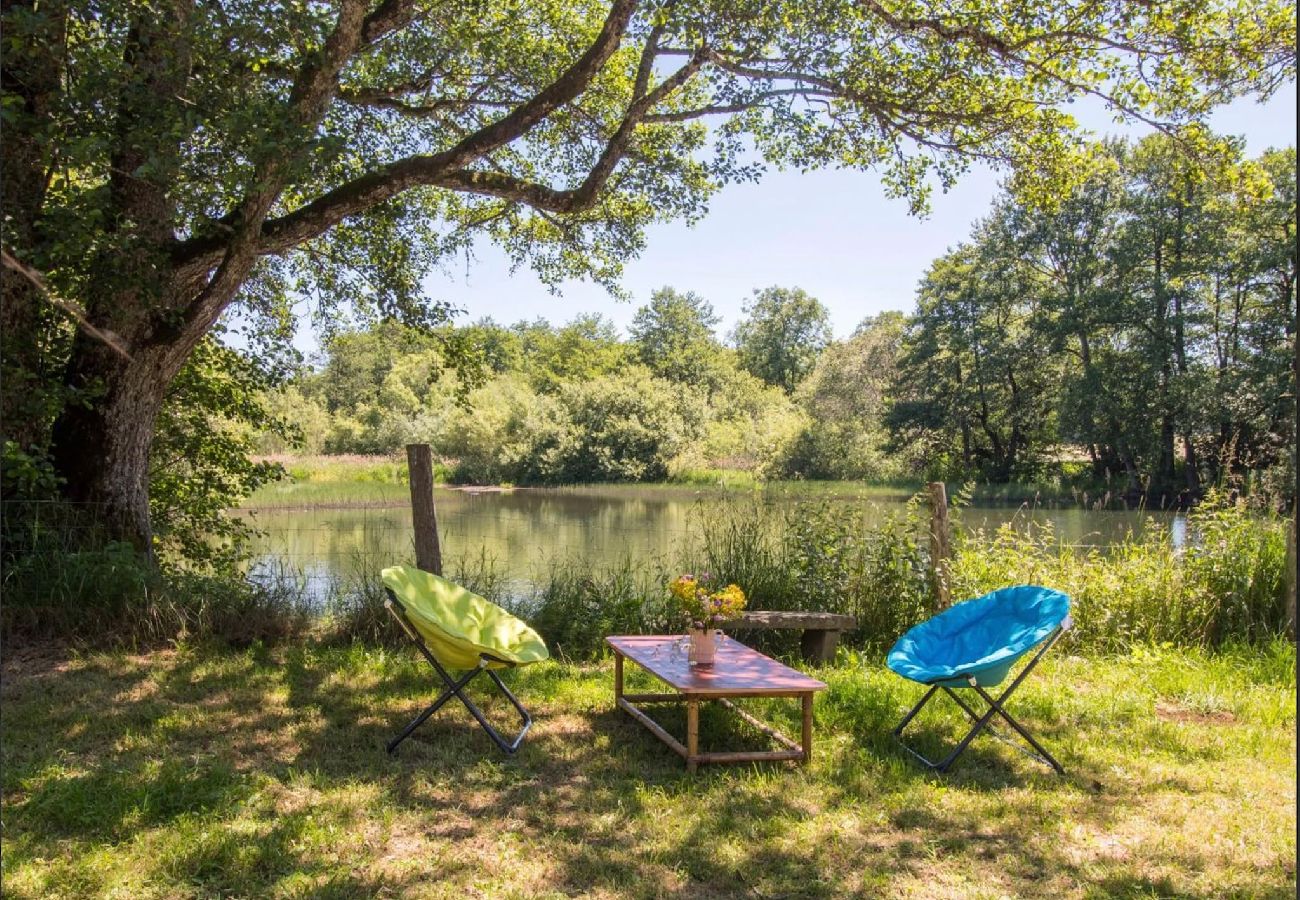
(1148, 321)
(1139, 332)
(533, 402)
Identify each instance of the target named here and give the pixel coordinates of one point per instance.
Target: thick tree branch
(584, 195)
(375, 187)
(432, 171)
(313, 88)
(389, 16)
(561, 91)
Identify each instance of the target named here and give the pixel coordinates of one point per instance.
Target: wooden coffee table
(738, 671)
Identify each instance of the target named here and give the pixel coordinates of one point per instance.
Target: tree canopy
(781, 334)
(1049, 345)
(1149, 321)
(674, 333)
(168, 160)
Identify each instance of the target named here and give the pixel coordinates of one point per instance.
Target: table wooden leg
(807, 729)
(618, 677)
(692, 734)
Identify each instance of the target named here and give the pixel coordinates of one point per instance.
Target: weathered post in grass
(419, 464)
(940, 544)
(1290, 579)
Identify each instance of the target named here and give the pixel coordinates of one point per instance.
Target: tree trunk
(1295, 470)
(101, 449)
(1133, 484)
(1191, 466)
(1164, 480)
(101, 445)
(1087, 410)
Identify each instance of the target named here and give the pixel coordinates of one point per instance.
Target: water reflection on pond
(521, 532)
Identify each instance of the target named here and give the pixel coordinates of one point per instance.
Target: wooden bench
(821, 630)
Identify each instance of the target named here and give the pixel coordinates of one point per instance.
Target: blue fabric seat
(982, 638)
(974, 645)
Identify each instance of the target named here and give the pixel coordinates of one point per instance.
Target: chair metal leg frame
(996, 707)
(455, 688)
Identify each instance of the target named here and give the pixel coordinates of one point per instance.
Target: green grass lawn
(206, 772)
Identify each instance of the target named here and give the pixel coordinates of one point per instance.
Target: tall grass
(578, 605)
(821, 556)
(108, 598)
(353, 609)
(1225, 585)
(63, 577)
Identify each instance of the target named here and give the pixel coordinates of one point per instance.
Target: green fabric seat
(454, 628)
(458, 625)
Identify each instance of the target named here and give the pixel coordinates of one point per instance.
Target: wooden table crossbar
(738, 671)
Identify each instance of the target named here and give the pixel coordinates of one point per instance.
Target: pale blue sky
(833, 233)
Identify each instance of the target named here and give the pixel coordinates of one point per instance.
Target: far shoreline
(379, 482)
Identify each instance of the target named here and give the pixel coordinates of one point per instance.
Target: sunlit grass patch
(205, 772)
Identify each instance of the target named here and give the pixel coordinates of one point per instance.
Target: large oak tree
(167, 159)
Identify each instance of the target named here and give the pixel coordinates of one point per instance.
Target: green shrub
(624, 427)
(495, 438)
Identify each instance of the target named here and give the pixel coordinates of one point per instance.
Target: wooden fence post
(428, 552)
(1291, 575)
(940, 544)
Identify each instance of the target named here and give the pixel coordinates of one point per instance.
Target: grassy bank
(198, 773)
(356, 480)
(1223, 585)
(335, 481)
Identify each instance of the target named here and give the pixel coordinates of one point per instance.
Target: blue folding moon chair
(974, 645)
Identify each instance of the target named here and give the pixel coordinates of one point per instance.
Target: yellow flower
(702, 607)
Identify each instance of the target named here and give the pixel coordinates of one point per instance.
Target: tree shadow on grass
(576, 766)
(170, 763)
(261, 773)
(108, 747)
(588, 779)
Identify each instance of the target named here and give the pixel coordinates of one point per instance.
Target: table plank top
(737, 669)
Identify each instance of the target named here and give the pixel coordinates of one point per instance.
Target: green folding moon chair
(456, 629)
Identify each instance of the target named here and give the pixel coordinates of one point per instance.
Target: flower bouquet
(704, 606)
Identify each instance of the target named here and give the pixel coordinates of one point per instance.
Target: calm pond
(520, 532)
